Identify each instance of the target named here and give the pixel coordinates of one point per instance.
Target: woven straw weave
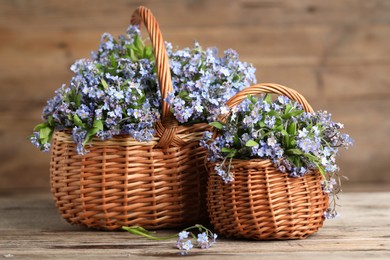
(263, 203)
(123, 182)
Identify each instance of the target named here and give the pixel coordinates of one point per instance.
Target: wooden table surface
(31, 228)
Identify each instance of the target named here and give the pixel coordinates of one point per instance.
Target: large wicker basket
(123, 182)
(263, 203)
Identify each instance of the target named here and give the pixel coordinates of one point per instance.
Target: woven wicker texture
(123, 182)
(263, 203)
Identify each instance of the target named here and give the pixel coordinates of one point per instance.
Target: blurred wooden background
(336, 53)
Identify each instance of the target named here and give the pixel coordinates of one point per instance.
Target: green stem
(322, 171)
(142, 232)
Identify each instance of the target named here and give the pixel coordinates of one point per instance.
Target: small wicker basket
(263, 203)
(123, 182)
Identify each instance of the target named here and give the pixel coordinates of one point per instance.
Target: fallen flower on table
(186, 238)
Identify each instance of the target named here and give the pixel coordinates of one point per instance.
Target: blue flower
(271, 141)
(184, 245)
(83, 112)
(207, 135)
(302, 133)
(187, 245)
(270, 121)
(248, 121)
(209, 81)
(262, 151)
(346, 140)
(203, 240)
(306, 145)
(283, 100)
(266, 107)
(225, 71)
(316, 130)
(34, 138)
(279, 152)
(183, 235)
(330, 213)
(187, 113)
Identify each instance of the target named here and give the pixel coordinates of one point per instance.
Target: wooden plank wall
(336, 53)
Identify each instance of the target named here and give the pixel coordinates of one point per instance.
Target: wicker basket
(263, 203)
(123, 182)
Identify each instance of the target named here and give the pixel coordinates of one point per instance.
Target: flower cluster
(113, 93)
(186, 238)
(204, 240)
(202, 82)
(296, 141)
(117, 92)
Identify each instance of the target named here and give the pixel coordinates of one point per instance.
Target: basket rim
(188, 134)
(255, 163)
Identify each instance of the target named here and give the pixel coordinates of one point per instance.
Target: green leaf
(226, 150)
(40, 126)
(77, 121)
(278, 127)
(88, 137)
(294, 151)
(114, 62)
(311, 157)
(252, 99)
(148, 53)
(236, 141)
(45, 134)
(78, 100)
(139, 53)
(50, 121)
(184, 95)
(292, 113)
(217, 125)
(137, 230)
(133, 56)
(268, 99)
(262, 124)
(286, 138)
(273, 113)
(297, 162)
(138, 43)
(236, 78)
(288, 109)
(292, 128)
(293, 142)
(99, 67)
(287, 141)
(284, 132)
(98, 124)
(251, 143)
(141, 229)
(231, 152)
(104, 83)
(112, 71)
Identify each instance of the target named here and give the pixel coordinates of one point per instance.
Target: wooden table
(31, 228)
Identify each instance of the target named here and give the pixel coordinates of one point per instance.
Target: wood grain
(31, 228)
(336, 53)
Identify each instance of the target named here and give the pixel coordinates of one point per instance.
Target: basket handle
(271, 88)
(144, 15)
(166, 128)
